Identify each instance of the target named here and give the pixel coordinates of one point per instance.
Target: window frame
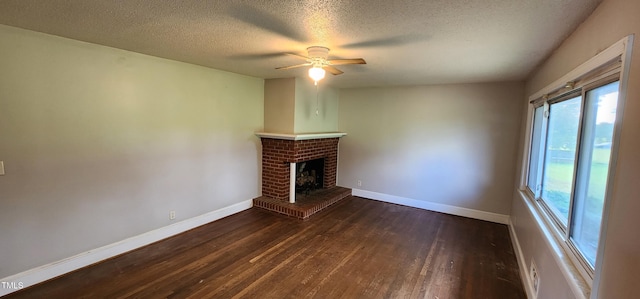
(577, 92)
(596, 72)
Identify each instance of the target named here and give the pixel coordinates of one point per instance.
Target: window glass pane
(535, 161)
(593, 168)
(562, 135)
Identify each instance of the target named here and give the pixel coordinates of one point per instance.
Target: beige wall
(99, 145)
(447, 144)
(279, 105)
(610, 22)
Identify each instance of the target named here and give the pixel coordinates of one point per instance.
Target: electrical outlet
(172, 215)
(359, 183)
(535, 278)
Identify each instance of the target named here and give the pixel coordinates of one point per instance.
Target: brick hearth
(308, 205)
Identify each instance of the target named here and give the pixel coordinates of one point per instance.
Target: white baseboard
(522, 263)
(432, 206)
(36, 275)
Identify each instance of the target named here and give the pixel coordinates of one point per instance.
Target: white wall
(445, 144)
(553, 283)
(610, 22)
(99, 144)
(325, 101)
(291, 105)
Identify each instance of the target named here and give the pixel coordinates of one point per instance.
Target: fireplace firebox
(309, 176)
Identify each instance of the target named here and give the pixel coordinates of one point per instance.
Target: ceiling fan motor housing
(318, 52)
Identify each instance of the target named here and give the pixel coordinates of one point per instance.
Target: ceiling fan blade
(388, 41)
(293, 66)
(347, 61)
(298, 55)
(256, 56)
(332, 70)
(261, 19)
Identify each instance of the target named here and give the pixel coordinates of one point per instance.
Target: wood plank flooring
(358, 248)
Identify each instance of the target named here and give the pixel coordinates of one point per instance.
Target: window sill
(574, 279)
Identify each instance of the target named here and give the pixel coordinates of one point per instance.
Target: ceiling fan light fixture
(316, 73)
(320, 63)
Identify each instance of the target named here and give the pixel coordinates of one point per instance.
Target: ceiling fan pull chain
(317, 112)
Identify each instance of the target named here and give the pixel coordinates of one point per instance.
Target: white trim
(522, 263)
(602, 58)
(432, 206)
(300, 136)
(52, 270)
(292, 182)
(613, 162)
(524, 170)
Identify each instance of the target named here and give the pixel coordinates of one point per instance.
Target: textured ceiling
(403, 42)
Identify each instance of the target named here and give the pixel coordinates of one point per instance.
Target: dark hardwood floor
(358, 248)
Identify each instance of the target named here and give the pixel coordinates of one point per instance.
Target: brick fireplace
(280, 152)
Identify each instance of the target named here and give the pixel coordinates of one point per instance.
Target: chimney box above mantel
(305, 136)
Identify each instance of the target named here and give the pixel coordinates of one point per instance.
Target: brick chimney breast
(279, 150)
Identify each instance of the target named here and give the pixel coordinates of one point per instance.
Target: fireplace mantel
(305, 136)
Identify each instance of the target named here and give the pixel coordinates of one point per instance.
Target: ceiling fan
(318, 60)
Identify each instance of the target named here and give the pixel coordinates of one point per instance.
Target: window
(569, 160)
(593, 167)
(571, 152)
(535, 175)
(560, 156)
